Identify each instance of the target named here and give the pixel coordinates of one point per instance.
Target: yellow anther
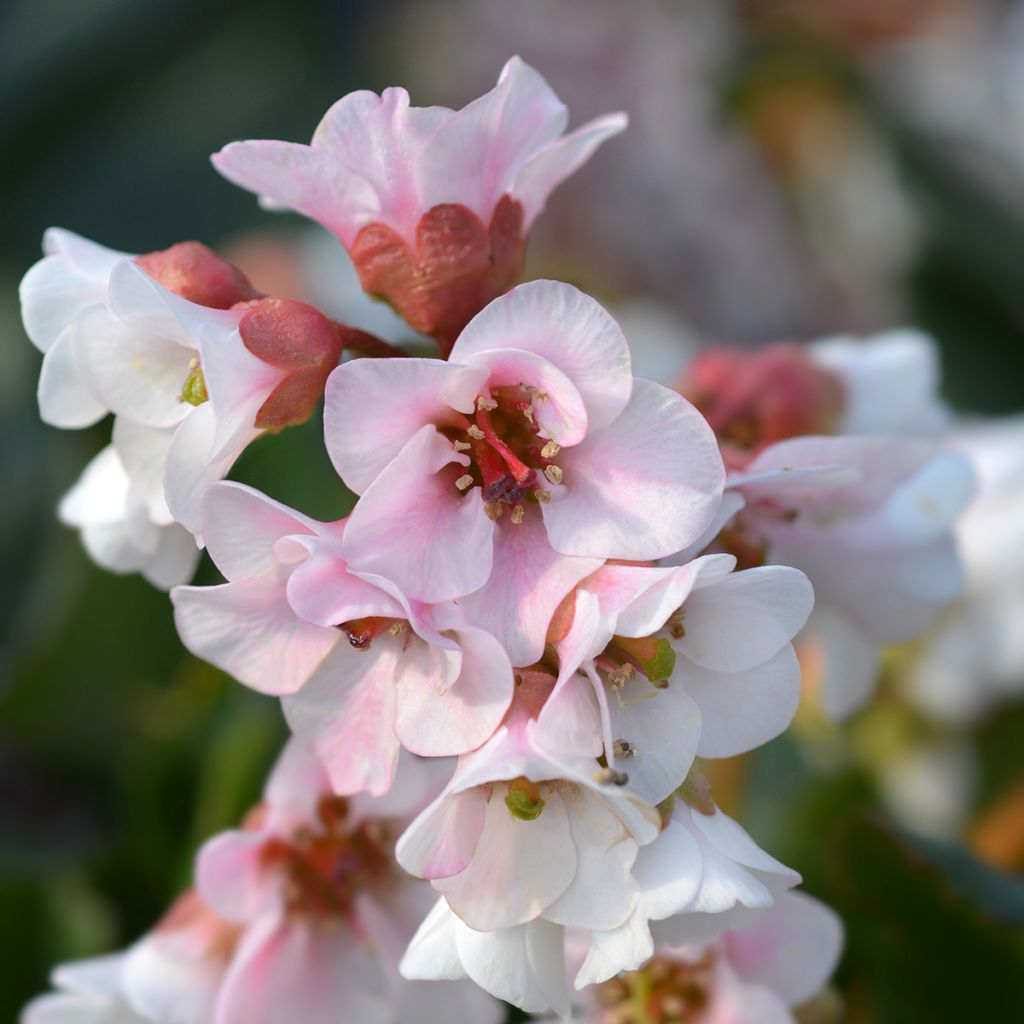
(464, 482)
(554, 474)
(550, 450)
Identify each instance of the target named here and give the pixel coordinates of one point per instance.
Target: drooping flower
(120, 528)
(432, 204)
(74, 275)
(689, 881)
(684, 661)
(300, 915)
(360, 668)
(770, 962)
(692, 878)
(870, 520)
(532, 445)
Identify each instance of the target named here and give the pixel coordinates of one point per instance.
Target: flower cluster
(574, 581)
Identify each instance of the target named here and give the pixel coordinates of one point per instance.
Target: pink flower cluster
(548, 575)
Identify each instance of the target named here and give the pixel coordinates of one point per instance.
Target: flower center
(327, 865)
(509, 461)
(362, 632)
(666, 991)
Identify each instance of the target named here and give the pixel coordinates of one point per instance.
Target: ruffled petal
(642, 488)
(570, 330)
(248, 630)
(413, 526)
(387, 401)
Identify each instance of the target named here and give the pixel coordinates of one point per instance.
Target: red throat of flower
(327, 864)
(196, 273)
(456, 267)
(666, 991)
(508, 459)
(756, 398)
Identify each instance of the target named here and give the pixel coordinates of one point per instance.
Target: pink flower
(527, 458)
(684, 661)
(301, 915)
(870, 520)
(690, 879)
(767, 964)
(432, 204)
(530, 835)
(360, 668)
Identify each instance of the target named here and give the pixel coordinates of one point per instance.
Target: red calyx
(196, 273)
(456, 267)
(297, 338)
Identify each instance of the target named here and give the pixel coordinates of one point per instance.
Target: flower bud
(196, 273)
(754, 399)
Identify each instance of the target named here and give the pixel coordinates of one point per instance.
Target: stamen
(487, 404)
(518, 513)
(542, 496)
(609, 776)
(553, 473)
(461, 446)
(475, 432)
(623, 748)
(464, 482)
(550, 450)
(493, 510)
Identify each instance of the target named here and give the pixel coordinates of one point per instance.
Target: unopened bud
(196, 273)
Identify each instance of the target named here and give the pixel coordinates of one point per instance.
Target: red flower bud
(196, 273)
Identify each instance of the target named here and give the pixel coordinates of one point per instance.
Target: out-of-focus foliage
(119, 753)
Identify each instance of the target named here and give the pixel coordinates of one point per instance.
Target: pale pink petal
(72, 275)
(175, 559)
(527, 583)
(303, 970)
(322, 590)
(143, 452)
(247, 629)
(461, 718)
(519, 868)
(303, 179)
(474, 156)
(567, 328)
(441, 841)
(131, 370)
(165, 980)
(602, 892)
(524, 966)
(346, 712)
(735, 1002)
(372, 407)
(588, 634)
(241, 526)
(65, 399)
(193, 465)
(742, 710)
(663, 728)
(232, 878)
(850, 662)
(623, 948)
(738, 621)
(545, 171)
(791, 948)
(414, 527)
(433, 953)
(643, 487)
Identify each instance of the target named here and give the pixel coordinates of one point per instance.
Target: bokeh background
(795, 168)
